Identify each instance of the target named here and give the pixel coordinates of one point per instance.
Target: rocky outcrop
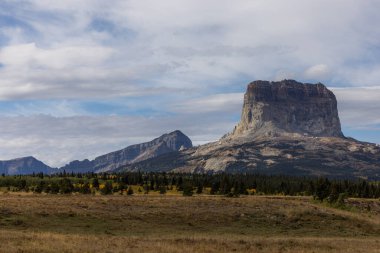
(24, 165)
(286, 127)
(288, 108)
(298, 156)
(166, 143)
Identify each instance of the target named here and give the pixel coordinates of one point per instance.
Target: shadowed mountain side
(24, 165)
(331, 157)
(166, 143)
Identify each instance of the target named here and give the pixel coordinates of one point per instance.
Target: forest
(230, 185)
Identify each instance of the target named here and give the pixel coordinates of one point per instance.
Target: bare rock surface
(288, 107)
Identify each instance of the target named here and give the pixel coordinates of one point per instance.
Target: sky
(82, 78)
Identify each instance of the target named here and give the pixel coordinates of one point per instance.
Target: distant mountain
(286, 127)
(166, 143)
(24, 165)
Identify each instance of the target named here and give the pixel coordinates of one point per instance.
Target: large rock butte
(280, 108)
(286, 127)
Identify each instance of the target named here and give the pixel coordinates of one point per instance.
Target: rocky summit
(166, 143)
(286, 127)
(288, 108)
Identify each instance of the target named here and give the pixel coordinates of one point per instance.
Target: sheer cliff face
(288, 107)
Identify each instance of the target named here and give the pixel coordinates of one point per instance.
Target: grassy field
(154, 223)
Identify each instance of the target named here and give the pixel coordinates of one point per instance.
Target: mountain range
(286, 127)
(170, 142)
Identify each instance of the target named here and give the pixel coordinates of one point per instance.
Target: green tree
(95, 183)
(65, 186)
(322, 189)
(179, 185)
(162, 189)
(187, 189)
(22, 185)
(39, 187)
(214, 188)
(54, 187)
(199, 189)
(146, 188)
(334, 194)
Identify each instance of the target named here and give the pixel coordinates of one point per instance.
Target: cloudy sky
(82, 78)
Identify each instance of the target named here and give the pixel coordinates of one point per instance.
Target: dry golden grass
(152, 223)
(22, 241)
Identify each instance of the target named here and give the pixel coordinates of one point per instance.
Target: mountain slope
(166, 143)
(24, 165)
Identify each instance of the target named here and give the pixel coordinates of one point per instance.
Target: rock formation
(24, 165)
(288, 107)
(166, 143)
(286, 127)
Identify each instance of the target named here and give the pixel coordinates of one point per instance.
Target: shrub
(54, 187)
(130, 191)
(341, 199)
(107, 189)
(199, 189)
(162, 189)
(65, 186)
(85, 189)
(187, 189)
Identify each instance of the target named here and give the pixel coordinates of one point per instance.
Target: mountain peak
(24, 165)
(166, 143)
(26, 158)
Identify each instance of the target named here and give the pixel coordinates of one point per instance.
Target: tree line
(332, 190)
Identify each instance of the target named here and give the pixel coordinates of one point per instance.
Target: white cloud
(197, 44)
(358, 106)
(317, 72)
(229, 102)
(29, 56)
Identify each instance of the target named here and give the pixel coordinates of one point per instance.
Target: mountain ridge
(166, 143)
(24, 165)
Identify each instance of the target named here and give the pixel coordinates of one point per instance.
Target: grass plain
(172, 223)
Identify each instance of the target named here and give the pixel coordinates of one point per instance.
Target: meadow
(171, 222)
